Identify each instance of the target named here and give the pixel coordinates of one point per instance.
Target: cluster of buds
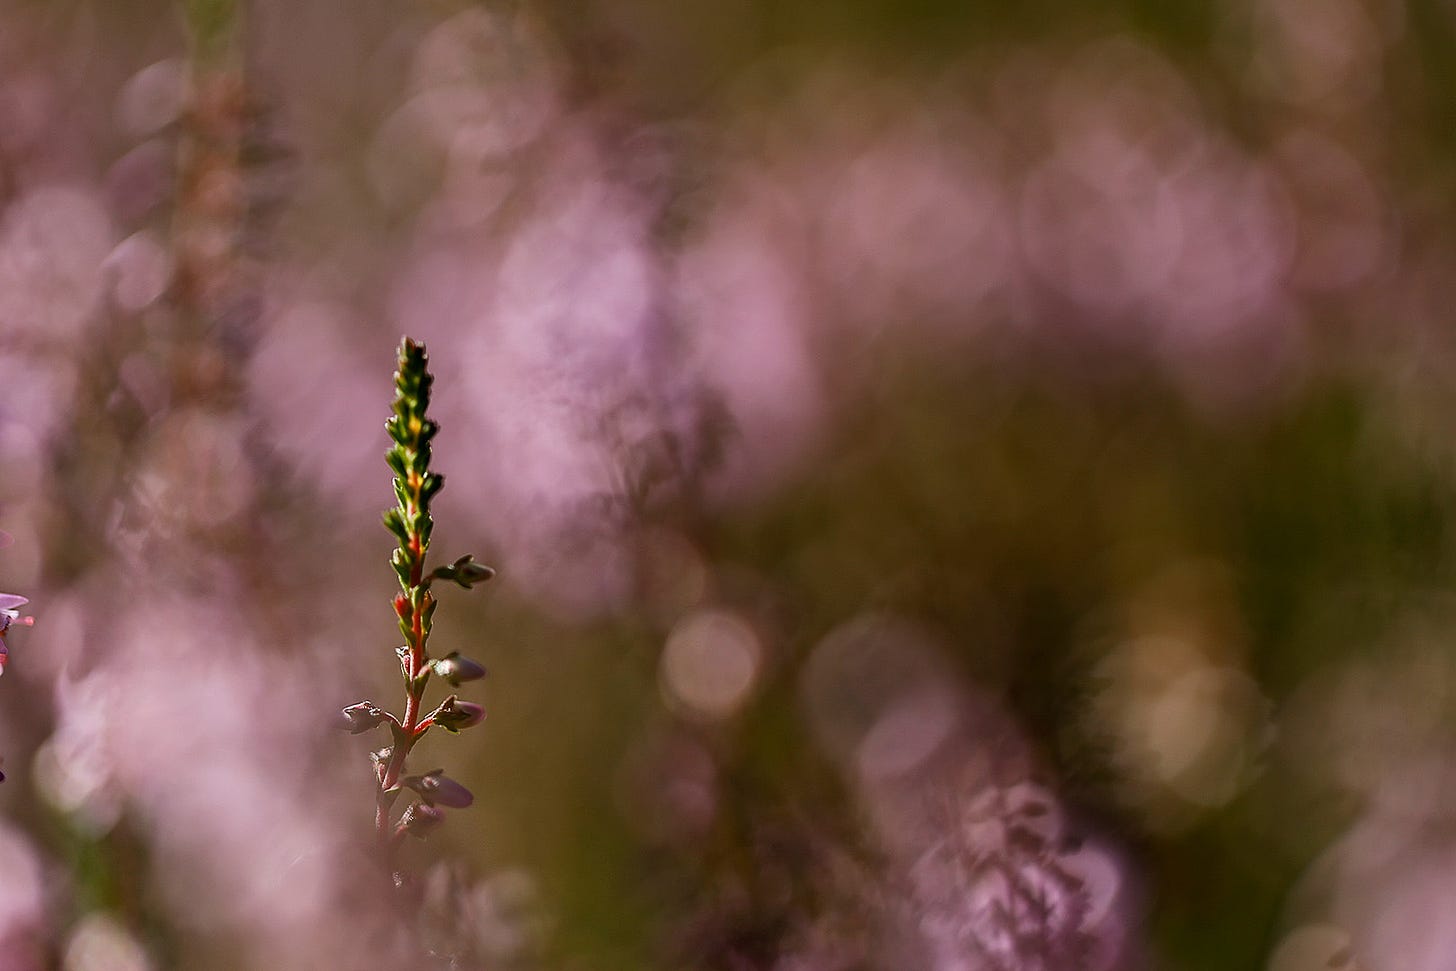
(414, 487)
(10, 605)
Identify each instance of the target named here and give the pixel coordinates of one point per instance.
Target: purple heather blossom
(9, 610)
(10, 605)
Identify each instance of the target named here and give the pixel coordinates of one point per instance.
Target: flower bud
(438, 789)
(454, 714)
(470, 573)
(464, 571)
(362, 717)
(420, 820)
(10, 605)
(456, 669)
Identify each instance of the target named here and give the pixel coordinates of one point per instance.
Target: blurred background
(972, 483)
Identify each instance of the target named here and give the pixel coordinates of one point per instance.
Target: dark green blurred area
(1017, 538)
(1016, 507)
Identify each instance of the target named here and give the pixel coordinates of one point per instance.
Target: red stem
(415, 686)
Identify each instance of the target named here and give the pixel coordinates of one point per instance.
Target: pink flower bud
(438, 789)
(10, 613)
(362, 717)
(454, 714)
(420, 820)
(457, 669)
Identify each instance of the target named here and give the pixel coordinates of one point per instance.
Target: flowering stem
(414, 606)
(410, 458)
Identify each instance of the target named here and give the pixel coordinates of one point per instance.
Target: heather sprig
(10, 605)
(411, 432)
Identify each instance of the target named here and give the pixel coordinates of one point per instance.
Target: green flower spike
(411, 432)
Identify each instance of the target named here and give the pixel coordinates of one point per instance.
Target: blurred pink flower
(9, 614)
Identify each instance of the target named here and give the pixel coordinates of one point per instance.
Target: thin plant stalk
(414, 606)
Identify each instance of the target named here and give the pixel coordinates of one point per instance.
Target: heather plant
(10, 605)
(429, 793)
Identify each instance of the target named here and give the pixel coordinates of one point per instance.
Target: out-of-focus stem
(213, 277)
(213, 26)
